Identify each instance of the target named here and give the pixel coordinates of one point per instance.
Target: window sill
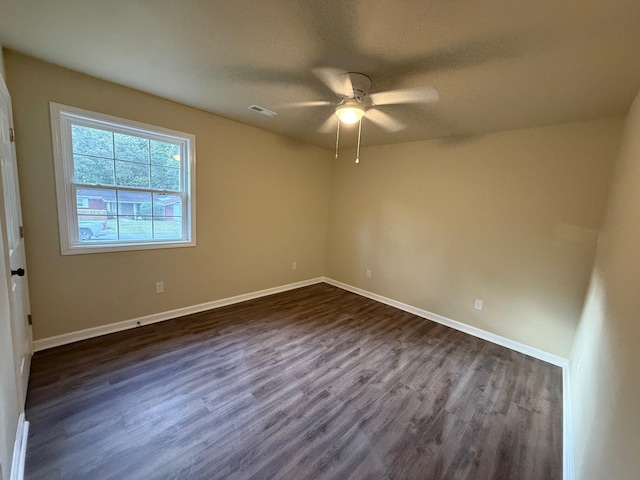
(102, 248)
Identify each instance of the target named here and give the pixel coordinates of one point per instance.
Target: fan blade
(329, 125)
(337, 81)
(312, 103)
(384, 121)
(405, 95)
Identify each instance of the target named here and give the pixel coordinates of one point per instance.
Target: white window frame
(62, 117)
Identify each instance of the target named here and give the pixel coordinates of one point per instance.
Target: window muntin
(121, 185)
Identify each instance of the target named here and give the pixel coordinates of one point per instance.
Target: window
(121, 185)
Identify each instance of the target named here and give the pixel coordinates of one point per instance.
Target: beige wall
(2, 73)
(510, 218)
(606, 386)
(262, 203)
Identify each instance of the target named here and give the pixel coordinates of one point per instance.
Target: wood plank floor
(315, 383)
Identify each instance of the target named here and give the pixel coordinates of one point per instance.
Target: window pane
(167, 227)
(135, 228)
(94, 201)
(134, 203)
(165, 178)
(130, 174)
(91, 141)
(165, 154)
(167, 205)
(92, 170)
(132, 149)
(94, 222)
(91, 229)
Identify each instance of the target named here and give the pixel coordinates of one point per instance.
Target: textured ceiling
(497, 65)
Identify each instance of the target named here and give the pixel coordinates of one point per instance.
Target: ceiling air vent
(262, 111)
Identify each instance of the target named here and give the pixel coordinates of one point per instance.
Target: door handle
(19, 272)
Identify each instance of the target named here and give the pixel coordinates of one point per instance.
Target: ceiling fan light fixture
(349, 113)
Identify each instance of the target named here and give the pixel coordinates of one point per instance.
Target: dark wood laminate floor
(316, 383)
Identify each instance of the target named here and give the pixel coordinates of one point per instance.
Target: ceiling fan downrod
(358, 148)
(337, 138)
(359, 137)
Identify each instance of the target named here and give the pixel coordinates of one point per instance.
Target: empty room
(320, 240)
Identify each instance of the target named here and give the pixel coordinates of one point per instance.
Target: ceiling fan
(355, 102)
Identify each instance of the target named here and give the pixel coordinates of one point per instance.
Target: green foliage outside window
(106, 158)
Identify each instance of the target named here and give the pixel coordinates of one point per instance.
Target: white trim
(62, 118)
(84, 334)
(20, 449)
(567, 442)
(567, 424)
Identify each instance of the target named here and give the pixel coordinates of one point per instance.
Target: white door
(11, 228)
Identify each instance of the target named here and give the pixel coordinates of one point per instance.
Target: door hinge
(29, 319)
(21, 231)
(12, 135)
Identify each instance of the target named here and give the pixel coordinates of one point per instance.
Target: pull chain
(337, 138)
(358, 150)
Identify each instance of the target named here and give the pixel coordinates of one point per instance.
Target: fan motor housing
(361, 84)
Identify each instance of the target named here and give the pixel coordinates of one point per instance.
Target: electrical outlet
(368, 273)
(159, 287)
(477, 304)
(294, 265)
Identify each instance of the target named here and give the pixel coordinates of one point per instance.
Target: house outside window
(121, 185)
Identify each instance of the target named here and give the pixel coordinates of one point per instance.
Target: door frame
(17, 352)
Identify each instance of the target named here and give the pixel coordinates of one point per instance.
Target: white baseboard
(567, 425)
(55, 341)
(463, 327)
(20, 449)
(567, 447)
(50, 342)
